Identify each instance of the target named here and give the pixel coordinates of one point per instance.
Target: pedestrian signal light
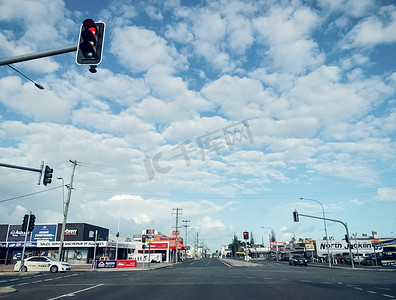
(90, 43)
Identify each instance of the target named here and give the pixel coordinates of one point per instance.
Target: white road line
(371, 292)
(37, 281)
(358, 288)
(389, 296)
(76, 292)
(227, 264)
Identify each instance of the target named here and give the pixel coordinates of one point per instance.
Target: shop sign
(16, 234)
(71, 231)
(44, 233)
(126, 264)
(277, 244)
(383, 243)
(102, 264)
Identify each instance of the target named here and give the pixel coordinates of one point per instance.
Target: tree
(273, 236)
(251, 239)
(235, 245)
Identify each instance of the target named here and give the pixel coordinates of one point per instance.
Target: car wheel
(23, 269)
(54, 269)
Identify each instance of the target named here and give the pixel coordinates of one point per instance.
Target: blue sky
(230, 110)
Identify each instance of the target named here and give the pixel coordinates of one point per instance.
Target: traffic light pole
(31, 56)
(25, 169)
(338, 221)
(24, 244)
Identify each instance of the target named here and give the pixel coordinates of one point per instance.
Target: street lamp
(325, 227)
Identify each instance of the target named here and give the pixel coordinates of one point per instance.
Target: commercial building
(83, 242)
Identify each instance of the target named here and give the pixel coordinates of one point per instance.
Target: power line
(31, 194)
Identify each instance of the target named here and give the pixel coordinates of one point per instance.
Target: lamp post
(325, 227)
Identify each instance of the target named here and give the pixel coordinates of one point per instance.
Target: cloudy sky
(229, 110)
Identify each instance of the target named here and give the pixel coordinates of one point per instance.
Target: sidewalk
(9, 269)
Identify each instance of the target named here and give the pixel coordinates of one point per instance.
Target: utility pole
(185, 240)
(177, 213)
(70, 187)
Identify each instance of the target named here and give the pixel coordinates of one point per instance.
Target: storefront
(81, 241)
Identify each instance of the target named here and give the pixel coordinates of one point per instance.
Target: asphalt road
(207, 279)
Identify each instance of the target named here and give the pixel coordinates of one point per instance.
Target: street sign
(175, 232)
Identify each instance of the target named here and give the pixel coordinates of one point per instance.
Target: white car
(42, 263)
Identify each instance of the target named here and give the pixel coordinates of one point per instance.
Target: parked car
(298, 260)
(42, 263)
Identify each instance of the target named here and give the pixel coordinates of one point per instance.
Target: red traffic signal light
(90, 43)
(143, 238)
(246, 235)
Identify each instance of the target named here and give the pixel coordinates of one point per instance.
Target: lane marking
(371, 292)
(76, 292)
(389, 296)
(227, 264)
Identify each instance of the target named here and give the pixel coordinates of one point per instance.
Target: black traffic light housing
(246, 235)
(31, 222)
(295, 216)
(90, 43)
(25, 223)
(143, 238)
(346, 238)
(47, 175)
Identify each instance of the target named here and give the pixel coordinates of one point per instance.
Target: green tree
(273, 236)
(235, 245)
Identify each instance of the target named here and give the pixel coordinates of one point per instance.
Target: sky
(229, 110)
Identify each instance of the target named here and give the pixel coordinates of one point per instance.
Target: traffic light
(346, 238)
(90, 43)
(246, 235)
(47, 175)
(25, 223)
(295, 216)
(143, 238)
(31, 222)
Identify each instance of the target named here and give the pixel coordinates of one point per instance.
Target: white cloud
(386, 194)
(141, 49)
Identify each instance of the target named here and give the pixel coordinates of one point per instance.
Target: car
(298, 260)
(42, 263)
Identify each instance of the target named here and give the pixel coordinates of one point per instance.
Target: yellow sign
(309, 246)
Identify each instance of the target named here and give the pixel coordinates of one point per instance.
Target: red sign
(126, 264)
(277, 243)
(175, 232)
(159, 246)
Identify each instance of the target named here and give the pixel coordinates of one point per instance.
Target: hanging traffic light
(295, 216)
(90, 43)
(47, 175)
(25, 223)
(346, 238)
(246, 235)
(31, 222)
